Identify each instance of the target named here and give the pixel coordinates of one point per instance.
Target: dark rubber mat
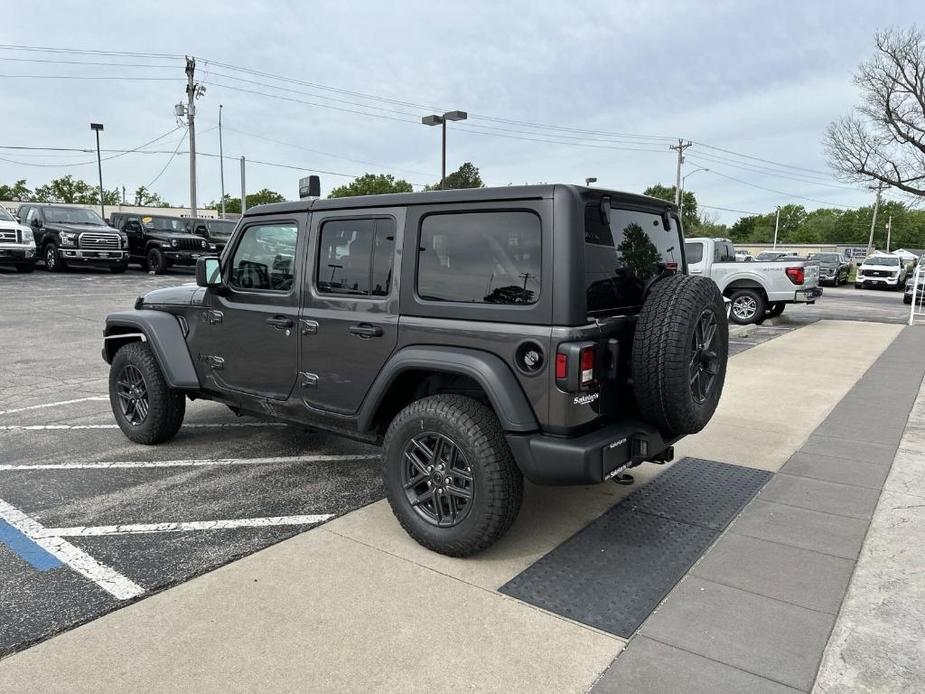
(614, 572)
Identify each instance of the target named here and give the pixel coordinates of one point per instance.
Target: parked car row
(64, 237)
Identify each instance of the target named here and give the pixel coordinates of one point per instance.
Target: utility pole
(221, 158)
(873, 221)
(776, 227)
(243, 188)
(193, 92)
(889, 230)
(680, 147)
(123, 195)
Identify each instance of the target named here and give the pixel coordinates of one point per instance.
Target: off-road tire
(166, 406)
(775, 309)
(663, 355)
(497, 482)
(57, 262)
(760, 304)
(156, 261)
(25, 267)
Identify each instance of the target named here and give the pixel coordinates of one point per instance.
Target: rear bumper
(590, 458)
(807, 296)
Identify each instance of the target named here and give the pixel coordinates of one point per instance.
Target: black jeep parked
(216, 231)
(158, 242)
(481, 336)
(73, 237)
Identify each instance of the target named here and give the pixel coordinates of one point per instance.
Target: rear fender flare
(163, 333)
(494, 376)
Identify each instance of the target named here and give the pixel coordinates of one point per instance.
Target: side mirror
(208, 272)
(36, 223)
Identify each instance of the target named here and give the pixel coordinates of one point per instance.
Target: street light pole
(681, 195)
(776, 226)
(221, 158)
(435, 119)
(96, 127)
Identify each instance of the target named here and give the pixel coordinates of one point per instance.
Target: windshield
(882, 260)
(827, 257)
(171, 224)
(221, 228)
(72, 215)
(6, 216)
(622, 257)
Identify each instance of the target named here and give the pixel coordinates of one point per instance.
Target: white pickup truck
(757, 290)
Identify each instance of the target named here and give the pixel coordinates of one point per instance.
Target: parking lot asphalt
(154, 517)
(225, 487)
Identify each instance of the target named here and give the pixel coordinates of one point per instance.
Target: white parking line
(139, 528)
(106, 578)
(129, 464)
(55, 404)
(46, 427)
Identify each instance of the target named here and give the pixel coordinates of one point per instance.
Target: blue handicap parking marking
(26, 549)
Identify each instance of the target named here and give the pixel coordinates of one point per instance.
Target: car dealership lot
(133, 520)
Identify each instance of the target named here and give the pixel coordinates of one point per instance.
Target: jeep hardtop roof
(436, 197)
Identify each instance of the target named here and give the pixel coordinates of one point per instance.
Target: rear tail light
(561, 367)
(796, 275)
(586, 378)
(576, 366)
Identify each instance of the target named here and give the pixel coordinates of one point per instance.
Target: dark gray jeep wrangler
(481, 336)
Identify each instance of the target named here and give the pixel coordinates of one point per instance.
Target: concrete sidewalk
(356, 605)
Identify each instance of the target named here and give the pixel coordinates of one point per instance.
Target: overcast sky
(756, 78)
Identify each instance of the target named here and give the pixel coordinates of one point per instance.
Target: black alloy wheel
(133, 395)
(437, 479)
(704, 362)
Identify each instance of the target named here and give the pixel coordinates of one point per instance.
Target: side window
(694, 252)
(480, 257)
(265, 258)
(355, 257)
(30, 215)
(723, 253)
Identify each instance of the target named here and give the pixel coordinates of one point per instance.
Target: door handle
(365, 330)
(280, 322)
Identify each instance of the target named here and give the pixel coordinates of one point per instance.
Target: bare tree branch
(883, 139)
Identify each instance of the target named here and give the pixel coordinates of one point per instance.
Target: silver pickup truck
(757, 290)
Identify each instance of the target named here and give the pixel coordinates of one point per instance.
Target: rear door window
(622, 257)
(480, 257)
(355, 257)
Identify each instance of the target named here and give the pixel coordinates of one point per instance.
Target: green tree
(146, 198)
(689, 218)
(372, 184)
(18, 191)
(466, 176)
(67, 189)
(263, 196)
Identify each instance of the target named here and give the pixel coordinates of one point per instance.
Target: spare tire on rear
(679, 354)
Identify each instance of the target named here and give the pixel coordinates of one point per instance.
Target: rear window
(694, 252)
(480, 257)
(622, 257)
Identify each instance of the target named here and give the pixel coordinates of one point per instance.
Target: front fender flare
(163, 333)
(489, 371)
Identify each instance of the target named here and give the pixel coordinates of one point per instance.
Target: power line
(79, 51)
(118, 152)
(85, 62)
(126, 78)
(170, 160)
(779, 192)
(708, 161)
(766, 161)
(318, 151)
